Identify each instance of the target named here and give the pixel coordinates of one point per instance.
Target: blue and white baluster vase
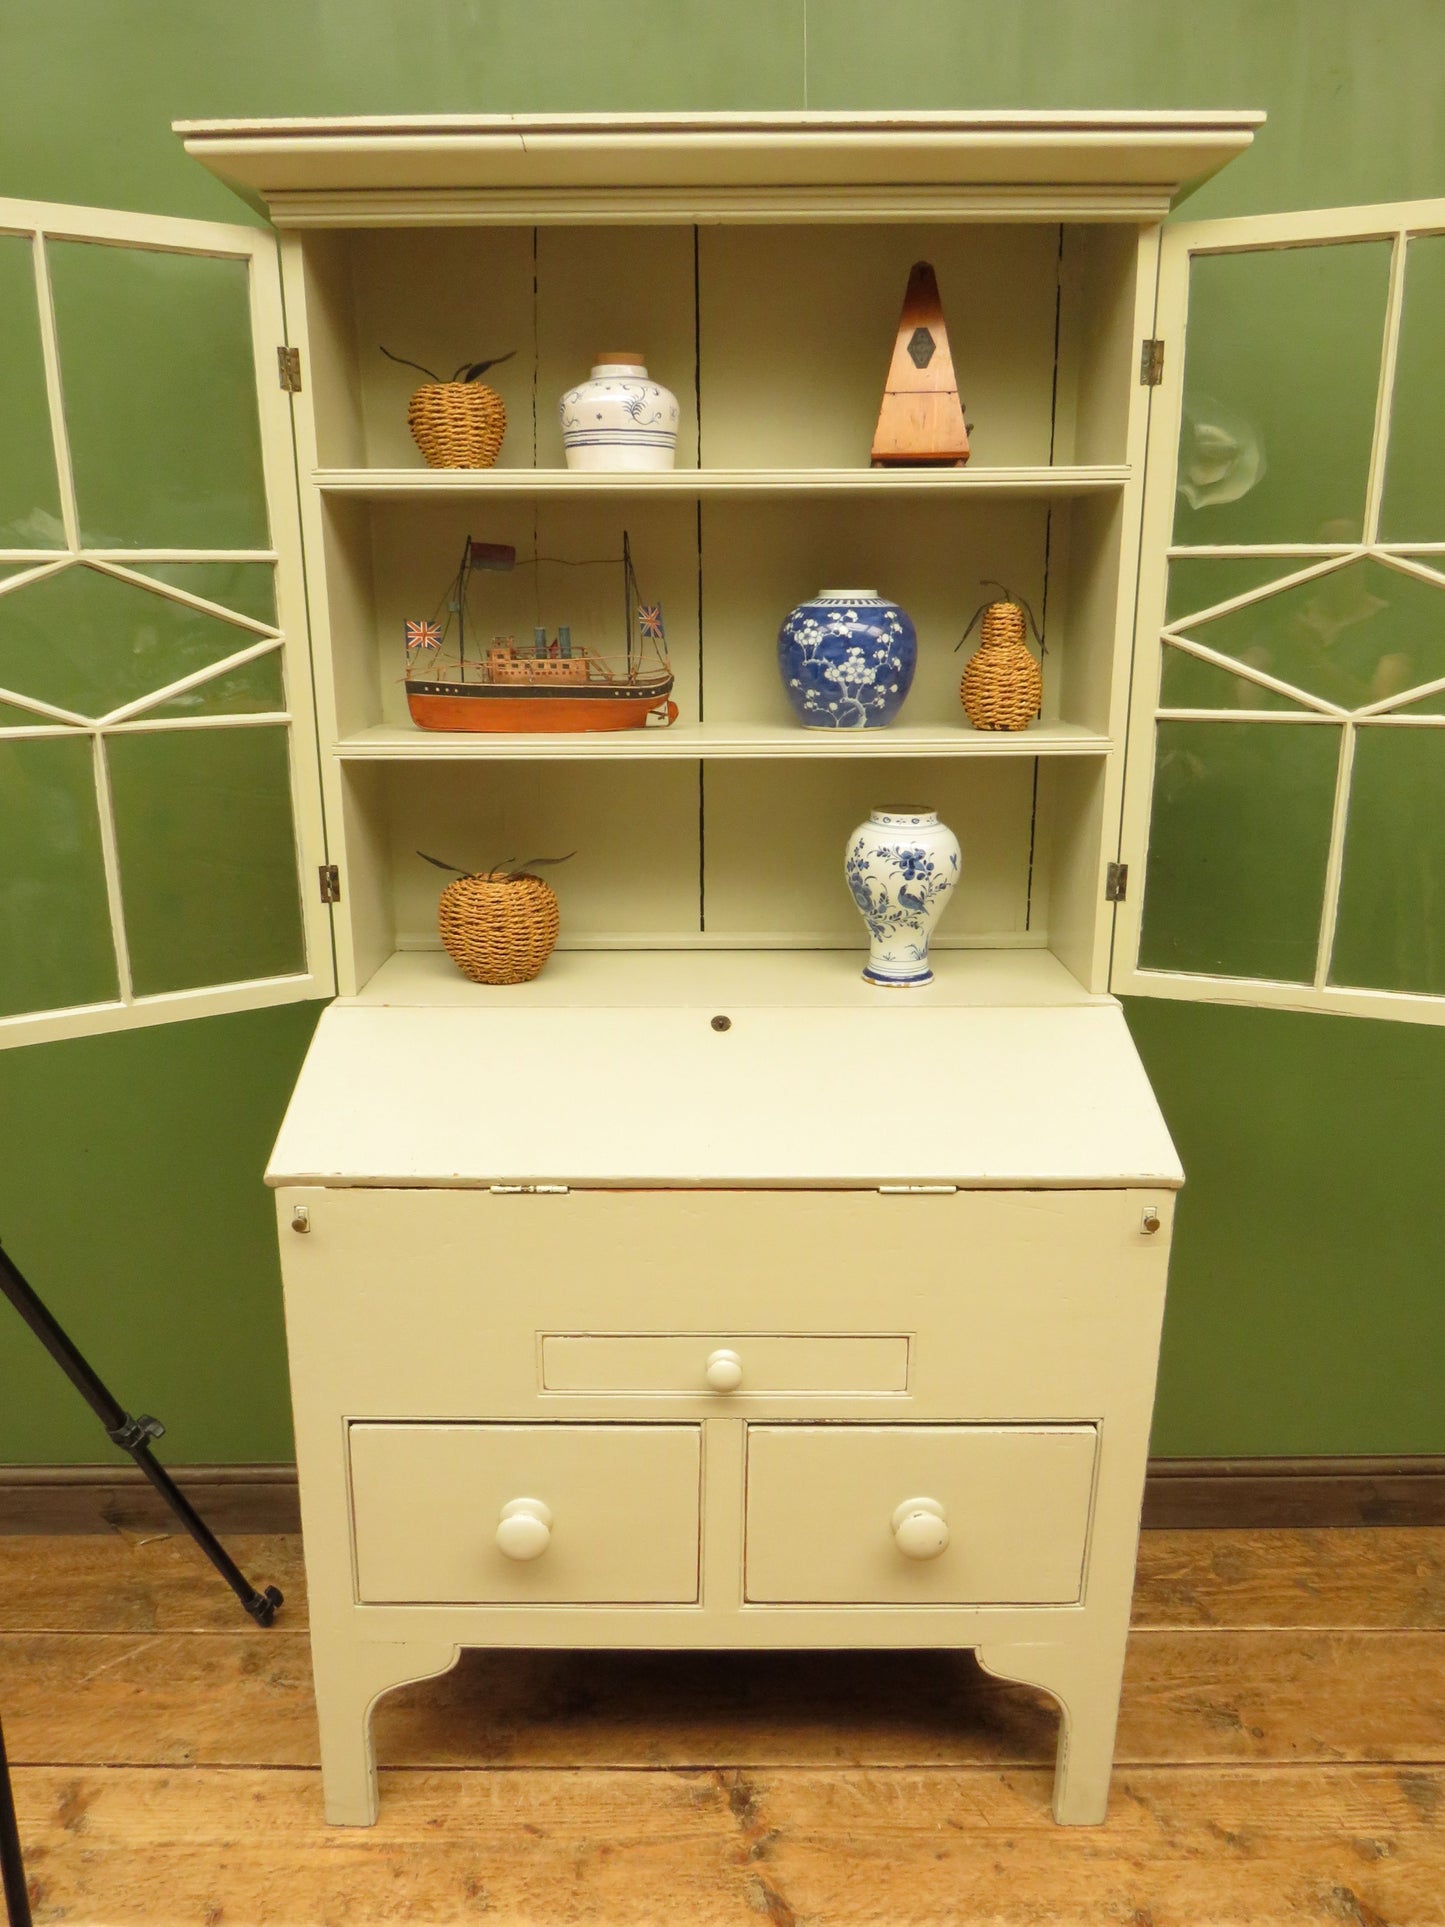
(847, 659)
(902, 866)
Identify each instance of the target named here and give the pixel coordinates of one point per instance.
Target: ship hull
(531, 708)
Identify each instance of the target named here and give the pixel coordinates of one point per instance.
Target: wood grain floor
(1281, 1759)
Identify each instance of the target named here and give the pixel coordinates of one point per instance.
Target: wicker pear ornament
(1002, 685)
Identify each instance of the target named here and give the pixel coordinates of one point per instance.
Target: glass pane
(29, 493)
(1390, 933)
(1197, 583)
(1187, 683)
(207, 856)
(1281, 371)
(55, 941)
(245, 690)
(160, 397)
(247, 587)
(90, 643)
(1413, 509)
(1355, 636)
(1237, 848)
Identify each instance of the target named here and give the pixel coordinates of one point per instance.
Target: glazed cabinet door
(1285, 788)
(160, 816)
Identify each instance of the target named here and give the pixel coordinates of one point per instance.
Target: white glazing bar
(155, 697)
(1334, 868)
(55, 395)
(40, 708)
(247, 719)
(207, 993)
(1244, 716)
(1339, 1000)
(1405, 565)
(1248, 673)
(110, 853)
(1402, 722)
(35, 575)
(173, 594)
(1268, 589)
(1385, 395)
(1399, 701)
(9, 730)
(177, 555)
(1226, 551)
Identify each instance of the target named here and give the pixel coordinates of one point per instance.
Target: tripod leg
(132, 1435)
(17, 1900)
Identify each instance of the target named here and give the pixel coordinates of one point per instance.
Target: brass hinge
(288, 362)
(330, 883)
(1116, 883)
(528, 1190)
(1151, 363)
(916, 1190)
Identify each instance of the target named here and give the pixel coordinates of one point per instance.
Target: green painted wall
(1305, 1314)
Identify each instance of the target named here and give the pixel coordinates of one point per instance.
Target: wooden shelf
(706, 484)
(388, 743)
(720, 978)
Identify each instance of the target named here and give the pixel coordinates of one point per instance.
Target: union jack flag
(649, 620)
(422, 635)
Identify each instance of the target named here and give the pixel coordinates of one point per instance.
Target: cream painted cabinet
(698, 1293)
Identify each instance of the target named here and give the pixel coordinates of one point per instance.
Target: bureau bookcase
(697, 1293)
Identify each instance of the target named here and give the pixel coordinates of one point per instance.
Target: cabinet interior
(728, 829)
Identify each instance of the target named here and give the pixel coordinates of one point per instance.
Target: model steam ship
(552, 685)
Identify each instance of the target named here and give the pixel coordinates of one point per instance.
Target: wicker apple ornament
(1002, 685)
(458, 423)
(499, 926)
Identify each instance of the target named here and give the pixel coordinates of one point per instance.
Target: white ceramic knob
(525, 1529)
(724, 1371)
(920, 1530)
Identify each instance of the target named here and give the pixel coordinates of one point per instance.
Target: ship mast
(463, 573)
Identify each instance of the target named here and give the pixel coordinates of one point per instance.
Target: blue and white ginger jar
(621, 418)
(902, 866)
(847, 659)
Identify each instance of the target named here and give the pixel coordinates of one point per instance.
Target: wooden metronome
(921, 420)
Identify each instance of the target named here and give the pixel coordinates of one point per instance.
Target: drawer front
(828, 1518)
(617, 1520)
(688, 1363)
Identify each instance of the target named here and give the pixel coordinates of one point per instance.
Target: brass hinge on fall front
(528, 1190)
(916, 1190)
(1151, 363)
(1116, 883)
(288, 363)
(330, 883)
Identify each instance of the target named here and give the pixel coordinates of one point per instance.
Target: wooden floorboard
(124, 1581)
(1281, 1761)
(245, 1699)
(944, 1848)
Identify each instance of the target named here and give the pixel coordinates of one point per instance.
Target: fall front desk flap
(719, 1094)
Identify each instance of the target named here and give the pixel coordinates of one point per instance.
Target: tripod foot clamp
(264, 1606)
(135, 1431)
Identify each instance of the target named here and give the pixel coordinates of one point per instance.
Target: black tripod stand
(132, 1435)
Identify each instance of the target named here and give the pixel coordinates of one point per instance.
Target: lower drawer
(596, 1514)
(918, 1514)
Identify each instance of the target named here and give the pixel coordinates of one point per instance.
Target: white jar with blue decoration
(847, 659)
(620, 418)
(902, 866)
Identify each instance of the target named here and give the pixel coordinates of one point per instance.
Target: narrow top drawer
(724, 1364)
